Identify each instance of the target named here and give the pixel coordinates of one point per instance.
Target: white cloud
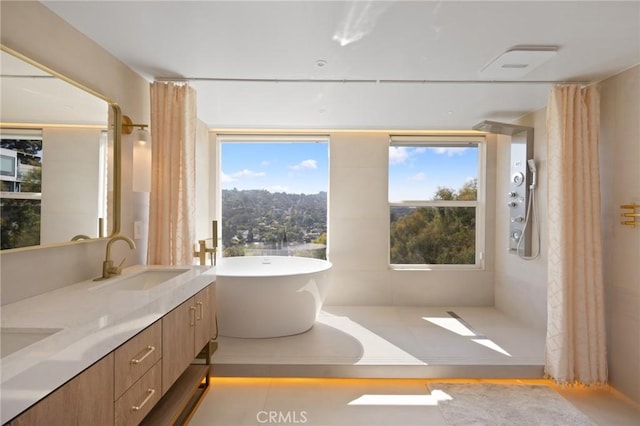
(398, 154)
(246, 173)
(449, 152)
(305, 165)
(265, 164)
(418, 176)
(225, 178)
(278, 188)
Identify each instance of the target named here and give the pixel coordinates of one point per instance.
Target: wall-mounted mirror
(59, 156)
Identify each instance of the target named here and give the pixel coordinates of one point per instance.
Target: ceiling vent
(518, 62)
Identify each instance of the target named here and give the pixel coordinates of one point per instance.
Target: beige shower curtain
(576, 342)
(172, 198)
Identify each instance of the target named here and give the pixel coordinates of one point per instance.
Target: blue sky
(302, 167)
(296, 168)
(415, 173)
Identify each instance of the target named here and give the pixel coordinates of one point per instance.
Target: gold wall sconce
(141, 133)
(632, 215)
(141, 154)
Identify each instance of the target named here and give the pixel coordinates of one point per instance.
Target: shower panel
(518, 195)
(520, 181)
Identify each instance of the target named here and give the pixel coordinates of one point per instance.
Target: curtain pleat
(172, 198)
(576, 340)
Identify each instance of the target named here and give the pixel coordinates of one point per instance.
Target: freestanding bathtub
(269, 296)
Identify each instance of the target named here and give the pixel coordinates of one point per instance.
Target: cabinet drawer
(136, 357)
(136, 402)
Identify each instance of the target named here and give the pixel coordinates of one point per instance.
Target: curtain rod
(366, 81)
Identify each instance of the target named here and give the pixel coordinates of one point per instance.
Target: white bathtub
(269, 296)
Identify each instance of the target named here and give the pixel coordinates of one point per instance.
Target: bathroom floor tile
(370, 402)
(355, 354)
(423, 340)
(316, 402)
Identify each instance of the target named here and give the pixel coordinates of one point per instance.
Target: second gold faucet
(108, 269)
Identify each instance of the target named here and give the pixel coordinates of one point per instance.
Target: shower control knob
(517, 178)
(518, 219)
(516, 235)
(512, 194)
(512, 204)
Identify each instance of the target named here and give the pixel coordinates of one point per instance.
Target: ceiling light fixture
(141, 134)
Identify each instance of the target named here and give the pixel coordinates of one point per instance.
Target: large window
(436, 202)
(274, 196)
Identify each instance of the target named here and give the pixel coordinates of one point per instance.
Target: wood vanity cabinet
(134, 358)
(185, 332)
(124, 386)
(137, 375)
(87, 399)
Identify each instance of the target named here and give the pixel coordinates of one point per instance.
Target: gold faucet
(202, 253)
(108, 270)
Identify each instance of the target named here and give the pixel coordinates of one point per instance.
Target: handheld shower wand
(534, 171)
(531, 205)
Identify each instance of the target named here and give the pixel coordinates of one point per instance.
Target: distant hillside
(250, 216)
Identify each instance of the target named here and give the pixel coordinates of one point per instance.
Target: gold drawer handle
(150, 393)
(201, 311)
(149, 350)
(193, 310)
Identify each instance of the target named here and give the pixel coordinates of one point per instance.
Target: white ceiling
(438, 41)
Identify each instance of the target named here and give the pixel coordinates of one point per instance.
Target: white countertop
(93, 321)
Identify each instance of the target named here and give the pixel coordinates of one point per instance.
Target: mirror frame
(116, 122)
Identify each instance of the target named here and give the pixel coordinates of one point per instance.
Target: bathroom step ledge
(380, 371)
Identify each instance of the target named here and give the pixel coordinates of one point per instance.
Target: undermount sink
(142, 281)
(14, 339)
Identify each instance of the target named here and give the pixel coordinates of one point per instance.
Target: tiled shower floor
(392, 342)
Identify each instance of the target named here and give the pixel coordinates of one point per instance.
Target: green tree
(233, 251)
(19, 223)
(32, 181)
(435, 235)
(322, 239)
(265, 216)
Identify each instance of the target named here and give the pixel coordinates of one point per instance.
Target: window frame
(267, 138)
(449, 141)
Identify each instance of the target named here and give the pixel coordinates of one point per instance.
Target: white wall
(35, 31)
(70, 175)
(620, 183)
(358, 244)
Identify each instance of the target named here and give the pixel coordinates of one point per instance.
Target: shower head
(500, 128)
